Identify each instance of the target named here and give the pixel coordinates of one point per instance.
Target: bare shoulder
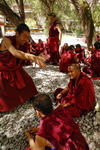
(58, 26)
(5, 43)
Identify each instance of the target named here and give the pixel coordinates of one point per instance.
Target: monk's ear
(38, 113)
(17, 34)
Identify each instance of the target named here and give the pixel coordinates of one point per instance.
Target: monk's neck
(77, 78)
(17, 44)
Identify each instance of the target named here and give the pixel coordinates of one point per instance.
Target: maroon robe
(36, 49)
(79, 54)
(63, 49)
(94, 69)
(46, 48)
(53, 42)
(81, 97)
(61, 131)
(16, 86)
(66, 60)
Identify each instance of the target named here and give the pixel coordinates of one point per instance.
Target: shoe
(47, 62)
(55, 64)
(31, 99)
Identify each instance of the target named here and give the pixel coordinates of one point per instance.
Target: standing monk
(54, 40)
(57, 131)
(78, 97)
(16, 86)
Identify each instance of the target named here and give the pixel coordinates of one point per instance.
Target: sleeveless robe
(16, 86)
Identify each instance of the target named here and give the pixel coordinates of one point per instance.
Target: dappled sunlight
(15, 122)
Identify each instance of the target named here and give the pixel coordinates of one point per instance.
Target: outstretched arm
(7, 45)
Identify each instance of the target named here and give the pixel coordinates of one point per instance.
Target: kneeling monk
(57, 131)
(79, 96)
(16, 86)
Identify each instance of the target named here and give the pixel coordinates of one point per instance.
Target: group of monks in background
(68, 54)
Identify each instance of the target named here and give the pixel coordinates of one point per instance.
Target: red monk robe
(81, 97)
(35, 48)
(53, 42)
(66, 59)
(16, 86)
(63, 49)
(41, 45)
(94, 61)
(61, 131)
(46, 48)
(80, 52)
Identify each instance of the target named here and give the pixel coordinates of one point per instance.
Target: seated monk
(67, 58)
(78, 97)
(63, 49)
(34, 48)
(57, 131)
(98, 37)
(41, 45)
(80, 52)
(94, 62)
(47, 50)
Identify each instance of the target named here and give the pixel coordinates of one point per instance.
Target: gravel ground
(14, 123)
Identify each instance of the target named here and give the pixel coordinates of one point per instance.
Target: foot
(55, 64)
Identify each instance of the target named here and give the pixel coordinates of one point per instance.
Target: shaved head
(76, 66)
(74, 71)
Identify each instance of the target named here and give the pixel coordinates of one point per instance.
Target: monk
(80, 52)
(16, 86)
(78, 96)
(34, 48)
(93, 62)
(98, 37)
(57, 131)
(54, 40)
(63, 49)
(68, 57)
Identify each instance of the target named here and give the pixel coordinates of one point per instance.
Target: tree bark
(13, 17)
(49, 4)
(84, 12)
(21, 9)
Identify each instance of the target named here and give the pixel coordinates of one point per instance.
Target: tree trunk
(84, 12)
(20, 5)
(49, 4)
(13, 17)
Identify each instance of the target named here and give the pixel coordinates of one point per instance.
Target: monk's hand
(59, 96)
(63, 105)
(27, 134)
(33, 130)
(39, 61)
(59, 43)
(46, 57)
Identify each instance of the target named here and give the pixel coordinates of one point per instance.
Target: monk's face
(73, 72)
(66, 46)
(92, 49)
(78, 49)
(23, 37)
(52, 19)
